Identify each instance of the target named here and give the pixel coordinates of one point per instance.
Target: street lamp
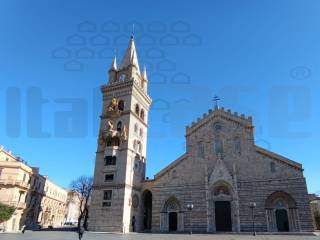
(252, 205)
(190, 207)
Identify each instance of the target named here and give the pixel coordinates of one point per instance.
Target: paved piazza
(133, 236)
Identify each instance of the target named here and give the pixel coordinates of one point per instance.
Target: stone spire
(114, 64)
(130, 57)
(144, 74)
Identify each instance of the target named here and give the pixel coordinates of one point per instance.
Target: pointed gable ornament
(220, 173)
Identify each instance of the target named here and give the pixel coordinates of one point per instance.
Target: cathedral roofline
(278, 157)
(216, 112)
(171, 165)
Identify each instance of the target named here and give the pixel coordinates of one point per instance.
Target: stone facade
(15, 177)
(222, 172)
(315, 210)
(32, 194)
(72, 208)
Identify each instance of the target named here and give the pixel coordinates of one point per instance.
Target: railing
(15, 204)
(18, 183)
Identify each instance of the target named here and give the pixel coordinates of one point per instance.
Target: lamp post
(252, 205)
(190, 207)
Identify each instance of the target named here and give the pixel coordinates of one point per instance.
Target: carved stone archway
(282, 203)
(171, 207)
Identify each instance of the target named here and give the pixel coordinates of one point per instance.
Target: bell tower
(121, 151)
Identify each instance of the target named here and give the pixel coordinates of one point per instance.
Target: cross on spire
(216, 100)
(132, 32)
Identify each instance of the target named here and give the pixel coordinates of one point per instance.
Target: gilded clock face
(135, 201)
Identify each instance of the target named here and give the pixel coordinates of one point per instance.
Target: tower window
(136, 128)
(121, 105)
(201, 149)
(135, 145)
(107, 195)
(110, 160)
(140, 148)
(237, 145)
(108, 177)
(119, 126)
(141, 132)
(142, 114)
(106, 204)
(137, 109)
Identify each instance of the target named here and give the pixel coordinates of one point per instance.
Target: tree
(83, 187)
(6, 212)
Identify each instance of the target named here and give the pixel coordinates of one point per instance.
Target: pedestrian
(80, 233)
(23, 229)
(133, 223)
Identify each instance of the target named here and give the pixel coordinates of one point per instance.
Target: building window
(142, 114)
(1, 169)
(108, 177)
(272, 167)
(110, 160)
(218, 147)
(106, 204)
(119, 126)
(217, 127)
(237, 145)
(121, 105)
(136, 144)
(137, 109)
(140, 148)
(174, 174)
(201, 149)
(107, 197)
(136, 128)
(141, 132)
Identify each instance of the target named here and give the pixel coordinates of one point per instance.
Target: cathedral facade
(220, 184)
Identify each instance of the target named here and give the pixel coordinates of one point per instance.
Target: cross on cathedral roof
(216, 99)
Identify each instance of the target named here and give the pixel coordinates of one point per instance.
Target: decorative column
(181, 221)
(213, 217)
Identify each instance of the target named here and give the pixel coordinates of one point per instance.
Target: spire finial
(144, 74)
(114, 61)
(132, 32)
(216, 99)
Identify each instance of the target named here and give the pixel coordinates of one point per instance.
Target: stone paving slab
(147, 236)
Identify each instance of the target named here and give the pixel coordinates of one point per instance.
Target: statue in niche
(111, 132)
(113, 106)
(124, 133)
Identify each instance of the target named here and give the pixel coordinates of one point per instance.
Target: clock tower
(121, 147)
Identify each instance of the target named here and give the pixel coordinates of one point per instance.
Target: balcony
(17, 183)
(16, 204)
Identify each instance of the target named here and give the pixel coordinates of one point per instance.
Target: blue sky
(261, 57)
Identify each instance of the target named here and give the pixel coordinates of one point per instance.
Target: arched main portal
(147, 210)
(223, 208)
(282, 212)
(171, 218)
(282, 220)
